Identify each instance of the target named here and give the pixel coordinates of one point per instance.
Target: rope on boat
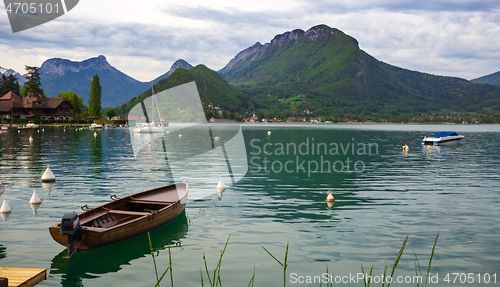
(74, 251)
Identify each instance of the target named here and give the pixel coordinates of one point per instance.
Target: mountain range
(20, 78)
(321, 70)
(328, 68)
(60, 75)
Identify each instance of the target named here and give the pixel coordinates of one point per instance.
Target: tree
(34, 83)
(110, 112)
(9, 83)
(95, 97)
(75, 100)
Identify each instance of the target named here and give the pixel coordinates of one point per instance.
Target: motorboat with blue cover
(442, 138)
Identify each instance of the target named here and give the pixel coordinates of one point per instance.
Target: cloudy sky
(143, 38)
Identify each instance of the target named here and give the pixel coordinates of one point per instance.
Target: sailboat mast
(157, 108)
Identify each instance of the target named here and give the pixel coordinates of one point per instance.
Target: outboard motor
(70, 225)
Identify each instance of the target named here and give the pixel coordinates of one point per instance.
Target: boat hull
(442, 140)
(126, 217)
(149, 130)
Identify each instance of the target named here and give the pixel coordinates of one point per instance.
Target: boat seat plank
(106, 221)
(150, 202)
(139, 213)
(92, 217)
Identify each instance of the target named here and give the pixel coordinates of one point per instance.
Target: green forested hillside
(212, 88)
(493, 79)
(334, 77)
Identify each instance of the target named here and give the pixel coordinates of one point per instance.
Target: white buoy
(48, 175)
(95, 134)
(34, 198)
(168, 132)
(220, 186)
(43, 130)
(217, 138)
(18, 131)
(37, 131)
(2, 188)
(329, 197)
(180, 135)
(5, 207)
(268, 133)
(31, 139)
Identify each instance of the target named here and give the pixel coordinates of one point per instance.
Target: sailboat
(151, 126)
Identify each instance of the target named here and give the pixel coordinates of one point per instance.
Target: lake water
(382, 194)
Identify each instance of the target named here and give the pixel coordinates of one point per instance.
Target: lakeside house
(48, 108)
(13, 106)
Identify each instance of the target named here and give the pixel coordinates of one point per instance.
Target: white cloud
(458, 38)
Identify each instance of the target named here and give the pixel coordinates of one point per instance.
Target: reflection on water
(48, 186)
(95, 143)
(3, 251)
(93, 263)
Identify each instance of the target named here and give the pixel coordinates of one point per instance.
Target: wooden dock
(23, 277)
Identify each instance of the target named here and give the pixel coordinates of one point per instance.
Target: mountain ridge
(61, 75)
(493, 78)
(327, 67)
(20, 78)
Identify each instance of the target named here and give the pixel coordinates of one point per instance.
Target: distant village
(38, 106)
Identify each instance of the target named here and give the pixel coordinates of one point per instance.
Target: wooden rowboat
(121, 218)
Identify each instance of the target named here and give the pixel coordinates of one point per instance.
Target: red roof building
(13, 106)
(11, 96)
(12, 110)
(48, 108)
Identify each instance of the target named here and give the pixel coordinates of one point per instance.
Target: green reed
(284, 264)
(214, 279)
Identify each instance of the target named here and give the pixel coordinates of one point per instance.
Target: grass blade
(273, 256)
(400, 253)
(430, 260)
(385, 272)
(163, 275)
(170, 265)
(206, 270)
(152, 254)
(363, 270)
(252, 280)
(370, 279)
(285, 265)
(417, 267)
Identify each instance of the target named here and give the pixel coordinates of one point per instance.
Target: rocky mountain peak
(179, 64)
(279, 41)
(250, 53)
(58, 66)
